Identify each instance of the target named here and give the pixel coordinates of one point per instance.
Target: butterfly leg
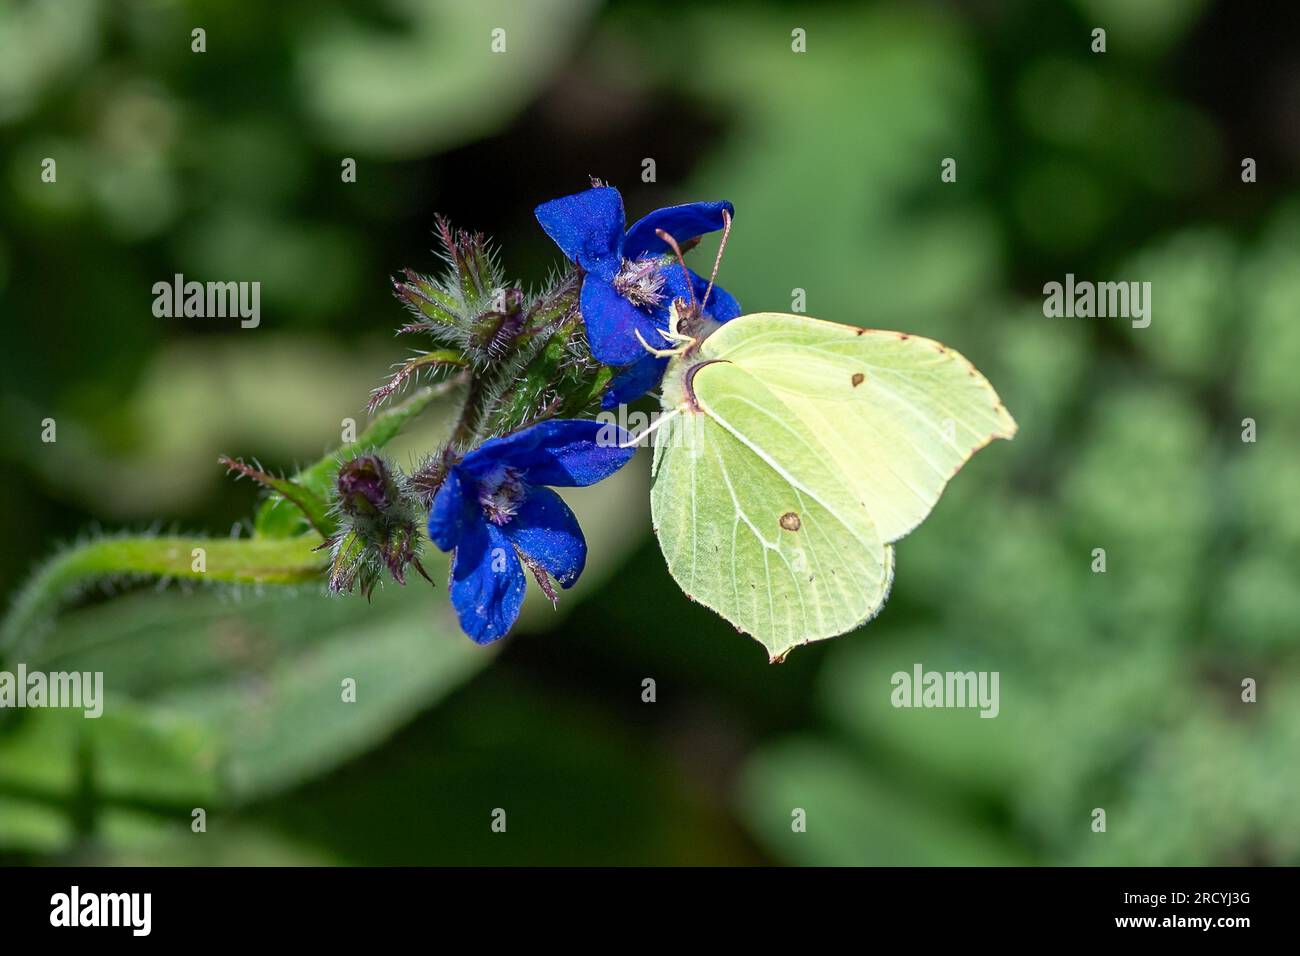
(659, 353)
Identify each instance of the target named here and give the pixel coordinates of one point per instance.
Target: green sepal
(279, 518)
(553, 384)
(310, 506)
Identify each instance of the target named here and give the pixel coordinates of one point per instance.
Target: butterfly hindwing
(757, 522)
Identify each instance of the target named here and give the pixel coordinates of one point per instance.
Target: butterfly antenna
(722, 247)
(685, 272)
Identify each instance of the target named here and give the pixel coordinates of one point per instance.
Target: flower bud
(379, 520)
(364, 486)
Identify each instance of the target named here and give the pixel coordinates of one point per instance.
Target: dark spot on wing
(858, 378)
(790, 521)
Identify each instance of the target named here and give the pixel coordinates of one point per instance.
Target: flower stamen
(501, 492)
(641, 282)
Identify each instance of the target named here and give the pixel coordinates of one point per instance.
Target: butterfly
(793, 453)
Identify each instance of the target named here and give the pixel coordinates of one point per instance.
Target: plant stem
(469, 414)
(229, 560)
(381, 430)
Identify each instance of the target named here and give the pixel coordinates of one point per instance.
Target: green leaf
(60, 772)
(312, 506)
(294, 723)
(212, 703)
(429, 361)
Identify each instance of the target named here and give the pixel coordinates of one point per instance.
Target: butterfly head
(689, 323)
(679, 342)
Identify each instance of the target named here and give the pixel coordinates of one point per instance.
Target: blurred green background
(1119, 690)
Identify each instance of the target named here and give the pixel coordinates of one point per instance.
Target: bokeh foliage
(1119, 690)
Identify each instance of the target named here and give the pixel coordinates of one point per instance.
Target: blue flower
(630, 279)
(494, 510)
(644, 374)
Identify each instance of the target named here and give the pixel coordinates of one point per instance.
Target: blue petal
(545, 529)
(681, 222)
(565, 452)
(448, 514)
(678, 283)
(487, 582)
(634, 381)
(588, 228)
(612, 322)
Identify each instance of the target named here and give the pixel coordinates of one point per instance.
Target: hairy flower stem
(514, 359)
(471, 413)
(505, 399)
(228, 560)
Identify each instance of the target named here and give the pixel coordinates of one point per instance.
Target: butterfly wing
(897, 414)
(756, 520)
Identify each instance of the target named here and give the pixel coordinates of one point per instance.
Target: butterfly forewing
(897, 414)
